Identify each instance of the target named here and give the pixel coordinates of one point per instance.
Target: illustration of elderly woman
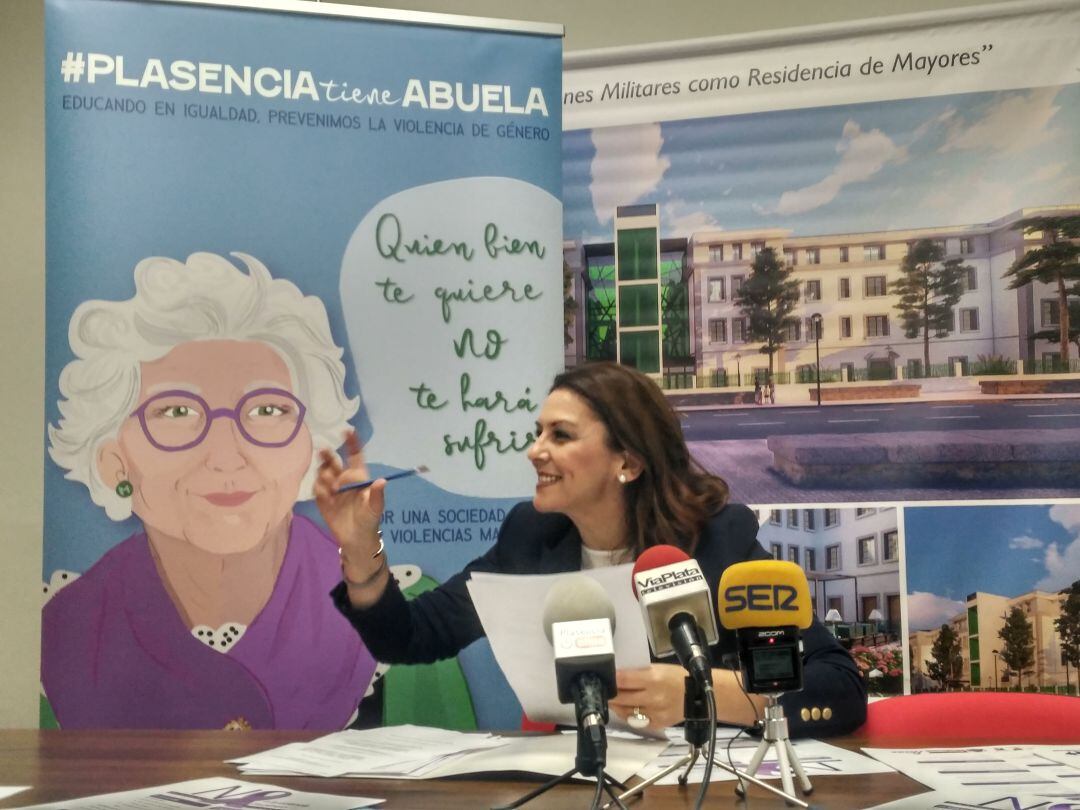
(197, 405)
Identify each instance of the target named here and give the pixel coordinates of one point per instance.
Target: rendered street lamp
(738, 370)
(815, 321)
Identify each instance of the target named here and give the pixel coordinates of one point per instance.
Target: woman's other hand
(656, 691)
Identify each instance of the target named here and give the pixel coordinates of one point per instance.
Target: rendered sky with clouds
(951, 160)
(1005, 549)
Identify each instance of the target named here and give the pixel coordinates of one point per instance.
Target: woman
(196, 406)
(614, 476)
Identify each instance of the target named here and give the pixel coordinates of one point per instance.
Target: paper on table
(213, 792)
(388, 751)
(510, 608)
(11, 791)
(1043, 770)
(817, 758)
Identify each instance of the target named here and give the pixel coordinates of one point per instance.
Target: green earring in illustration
(124, 489)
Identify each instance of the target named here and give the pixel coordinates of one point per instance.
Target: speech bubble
(452, 296)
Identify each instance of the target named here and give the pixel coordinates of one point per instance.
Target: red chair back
(973, 718)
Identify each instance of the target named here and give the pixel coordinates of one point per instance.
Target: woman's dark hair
(673, 497)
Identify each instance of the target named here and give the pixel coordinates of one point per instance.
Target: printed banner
(265, 227)
(850, 254)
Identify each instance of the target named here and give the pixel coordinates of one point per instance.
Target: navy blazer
(439, 623)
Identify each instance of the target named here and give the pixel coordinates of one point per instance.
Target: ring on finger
(638, 719)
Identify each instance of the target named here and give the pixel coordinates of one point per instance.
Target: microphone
(767, 602)
(677, 608)
(578, 620)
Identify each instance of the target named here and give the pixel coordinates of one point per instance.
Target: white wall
(589, 24)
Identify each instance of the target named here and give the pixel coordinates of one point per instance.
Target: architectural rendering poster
(265, 228)
(850, 254)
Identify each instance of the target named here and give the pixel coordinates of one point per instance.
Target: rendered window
(738, 330)
(845, 326)
(971, 280)
(790, 258)
(736, 284)
(777, 551)
(969, 320)
(845, 288)
(716, 289)
(813, 290)
(873, 286)
(815, 329)
(641, 350)
(639, 305)
(736, 252)
(718, 330)
(809, 520)
(716, 253)
(793, 554)
(844, 256)
(967, 245)
(873, 253)
(867, 548)
(861, 511)
(793, 518)
(793, 332)
(1049, 312)
(877, 325)
(832, 557)
(810, 560)
(891, 543)
(813, 255)
(832, 518)
(756, 248)
(637, 254)
(775, 517)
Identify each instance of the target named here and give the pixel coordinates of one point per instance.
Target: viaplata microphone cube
(668, 591)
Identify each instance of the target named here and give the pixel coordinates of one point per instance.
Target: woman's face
(577, 473)
(226, 493)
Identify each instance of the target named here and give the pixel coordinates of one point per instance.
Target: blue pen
(365, 484)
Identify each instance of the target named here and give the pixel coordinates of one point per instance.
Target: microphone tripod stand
(776, 734)
(591, 749)
(699, 731)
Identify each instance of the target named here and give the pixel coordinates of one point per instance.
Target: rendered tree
(1068, 625)
(569, 304)
(767, 298)
(945, 662)
(1019, 649)
(929, 289)
(1056, 261)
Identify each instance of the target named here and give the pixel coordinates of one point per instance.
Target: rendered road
(762, 421)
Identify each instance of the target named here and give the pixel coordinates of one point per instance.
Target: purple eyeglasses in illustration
(179, 420)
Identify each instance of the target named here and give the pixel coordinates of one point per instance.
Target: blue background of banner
(122, 187)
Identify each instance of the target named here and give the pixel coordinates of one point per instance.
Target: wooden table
(72, 764)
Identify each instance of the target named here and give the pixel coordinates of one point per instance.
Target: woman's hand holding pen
(353, 519)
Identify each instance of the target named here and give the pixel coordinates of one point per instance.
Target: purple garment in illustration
(115, 653)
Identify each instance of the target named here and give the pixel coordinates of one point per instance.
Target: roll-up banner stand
(267, 224)
(819, 240)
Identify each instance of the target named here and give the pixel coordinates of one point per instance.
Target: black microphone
(578, 620)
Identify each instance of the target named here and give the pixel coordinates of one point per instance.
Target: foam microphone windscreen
(575, 598)
(765, 593)
(656, 557)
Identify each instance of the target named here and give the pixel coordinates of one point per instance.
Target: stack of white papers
(414, 752)
(392, 752)
(510, 607)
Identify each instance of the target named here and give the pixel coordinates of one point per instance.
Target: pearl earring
(622, 478)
